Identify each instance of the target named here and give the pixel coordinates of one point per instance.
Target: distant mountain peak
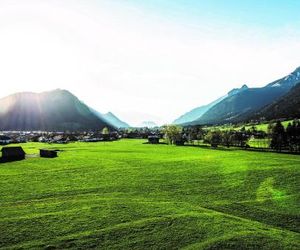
(242, 102)
(148, 124)
(62, 92)
(109, 113)
(238, 90)
(114, 120)
(111, 118)
(288, 81)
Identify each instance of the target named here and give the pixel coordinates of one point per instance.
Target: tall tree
(172, 133)
(278, 136)
(214, 138)
(105, 131)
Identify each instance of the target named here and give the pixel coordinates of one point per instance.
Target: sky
(146, 60)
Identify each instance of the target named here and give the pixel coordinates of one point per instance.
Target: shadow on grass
(160, 143)
(7, 160)
(221, 148)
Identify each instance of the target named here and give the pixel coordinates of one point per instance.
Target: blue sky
(146, 60)
(262, 13)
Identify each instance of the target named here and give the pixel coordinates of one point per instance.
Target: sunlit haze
(146, 60)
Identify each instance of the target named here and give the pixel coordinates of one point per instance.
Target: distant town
(13, 137)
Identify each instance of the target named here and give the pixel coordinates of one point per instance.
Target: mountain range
(286, 107)
(196, 113)
(148, 124)
(244, 103)
(57, 110)
(60, 110)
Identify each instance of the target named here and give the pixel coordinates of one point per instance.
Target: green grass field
(259, 143)
(130, 195)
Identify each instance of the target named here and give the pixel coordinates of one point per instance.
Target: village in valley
(12, 153)
(277, 138)
(14, 137)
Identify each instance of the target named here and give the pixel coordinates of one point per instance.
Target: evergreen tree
(278, 135)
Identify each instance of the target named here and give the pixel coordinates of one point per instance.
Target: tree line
(280, 138)
(285, 138)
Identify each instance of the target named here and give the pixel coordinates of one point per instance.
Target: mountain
(148, 124)
(237, 90)
(114, 120)
(110, 118)
(56, 110)
(288, 106)
(288, 81)
(237, 107)
(196, 113)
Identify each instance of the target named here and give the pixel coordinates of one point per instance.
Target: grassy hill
(130, 195)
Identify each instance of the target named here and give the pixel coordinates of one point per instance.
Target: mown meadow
(131, 195)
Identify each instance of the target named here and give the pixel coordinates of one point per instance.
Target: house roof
(14, 150)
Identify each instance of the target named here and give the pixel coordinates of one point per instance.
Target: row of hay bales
(17, 153)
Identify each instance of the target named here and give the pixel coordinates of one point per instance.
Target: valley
(149, 125)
